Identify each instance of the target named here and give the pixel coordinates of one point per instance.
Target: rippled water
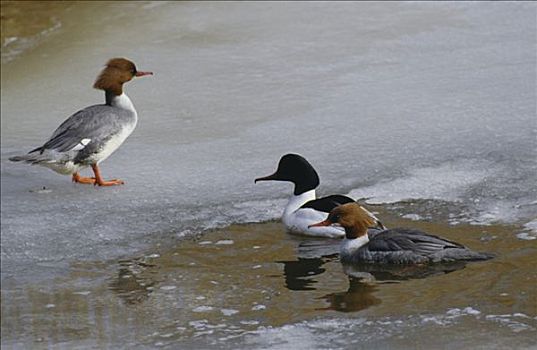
(427, 110)
(253, 286)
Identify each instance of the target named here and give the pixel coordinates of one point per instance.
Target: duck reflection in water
(132, 284)
(389, 273)
(312, 255)
(364, 280)
(358, 296)
(298, 274)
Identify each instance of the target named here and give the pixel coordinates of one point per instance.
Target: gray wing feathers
(96, 123)
(81, 135)
(406, 246)
(410, 240)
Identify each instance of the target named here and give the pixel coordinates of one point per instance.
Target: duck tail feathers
(31, 158)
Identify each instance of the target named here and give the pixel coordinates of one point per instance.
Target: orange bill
(322, 223)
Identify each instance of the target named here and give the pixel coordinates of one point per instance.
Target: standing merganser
(91, 135)
(394, 246)
(303, 208)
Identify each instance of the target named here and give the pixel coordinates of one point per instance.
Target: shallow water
(427, 110)
(255, 286)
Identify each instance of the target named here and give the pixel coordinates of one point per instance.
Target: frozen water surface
(407, 100)
(394, 102)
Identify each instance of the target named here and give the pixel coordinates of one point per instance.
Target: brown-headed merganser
(91, 135)
(303, 208)
(394, 246)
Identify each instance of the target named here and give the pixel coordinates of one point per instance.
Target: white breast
(350, 246)
(114, 143)
(122, 101)
(297, 220)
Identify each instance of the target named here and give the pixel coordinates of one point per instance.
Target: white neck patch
(124, 102)
(349, 246)
(296, 201)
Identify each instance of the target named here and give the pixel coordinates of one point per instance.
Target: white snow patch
(413, 217)
(203, 308)
(530, 232)
(249, 322)
(84, 292)
(168, 287)
(508, 321)
(229, 312)
(225, 242)
(527, 236)
(445, 182)
(532, 225)
(198, 324)
(328, 333)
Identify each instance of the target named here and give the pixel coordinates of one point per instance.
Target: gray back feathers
(97, 124)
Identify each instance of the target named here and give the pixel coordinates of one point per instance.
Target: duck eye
(335, 218)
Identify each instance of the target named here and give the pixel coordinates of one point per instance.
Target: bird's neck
(355, 232)
(296, 201)
(120, 101)
(349, 246)
(309, 182)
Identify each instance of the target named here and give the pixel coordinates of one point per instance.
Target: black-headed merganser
(91, 135)
(303, 208)
(394, 246)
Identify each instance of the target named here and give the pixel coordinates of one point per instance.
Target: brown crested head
(354, 219)
(117, 72)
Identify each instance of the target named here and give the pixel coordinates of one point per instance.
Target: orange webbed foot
(83, 180)
(97, 180)
(112, 182)
(100, 181)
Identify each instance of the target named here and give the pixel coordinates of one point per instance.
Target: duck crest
(117, 72)
(355, 219)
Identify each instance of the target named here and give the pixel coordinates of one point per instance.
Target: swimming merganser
(91, 135)
(303, 208)
(394, 246)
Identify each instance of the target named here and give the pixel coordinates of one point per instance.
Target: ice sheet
(393, 101)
